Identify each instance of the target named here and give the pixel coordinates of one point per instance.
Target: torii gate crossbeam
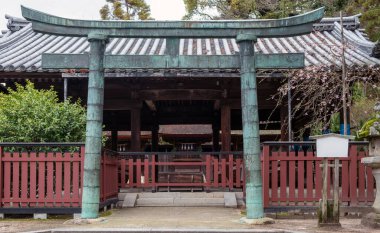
(245, 31)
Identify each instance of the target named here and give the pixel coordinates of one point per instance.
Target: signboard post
(330, 146)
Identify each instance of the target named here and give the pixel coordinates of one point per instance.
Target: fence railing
(44, 175)
(50, 174)
(292, 175)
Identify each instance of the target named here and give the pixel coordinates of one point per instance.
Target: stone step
(230, 200)
(130, 200)
(178, 199)
(195, 202)
(181, 195)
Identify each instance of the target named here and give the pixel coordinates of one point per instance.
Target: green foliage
(125, 10)
(370, 10)
(364, 98)
(245, 9)
(364, 131)
(31, 115)
(334, 125)
(222, 9)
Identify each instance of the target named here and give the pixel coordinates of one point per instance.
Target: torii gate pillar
(95, 101)
(251, 138)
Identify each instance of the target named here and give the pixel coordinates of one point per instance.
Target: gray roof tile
(21, 47)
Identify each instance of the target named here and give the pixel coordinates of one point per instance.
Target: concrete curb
(155, 230)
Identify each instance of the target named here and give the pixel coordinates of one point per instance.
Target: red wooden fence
(49, 177)
(291, 174)
(294, 177)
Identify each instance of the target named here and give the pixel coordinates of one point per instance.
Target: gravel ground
(22, 225)
(180, 218)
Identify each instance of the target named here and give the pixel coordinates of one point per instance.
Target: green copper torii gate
(245, 31)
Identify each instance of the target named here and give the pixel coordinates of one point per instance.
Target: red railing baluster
(309, 176)
(146, 172)
(16, 180)
(153, 164)
(24, 180)
(138, 173)
(353, 175)
(216, 172)
(208, 172)
(231, 172)
(283, 177)
(33, 179)
(130, 173)
(266, 174)
(292, 176)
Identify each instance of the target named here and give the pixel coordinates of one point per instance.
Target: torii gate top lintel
(295, 25)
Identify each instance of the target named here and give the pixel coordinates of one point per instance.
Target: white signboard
(332, 146)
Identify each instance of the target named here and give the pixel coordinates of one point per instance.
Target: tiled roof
(21, 47)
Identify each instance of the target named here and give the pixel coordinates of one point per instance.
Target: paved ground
(178, 218)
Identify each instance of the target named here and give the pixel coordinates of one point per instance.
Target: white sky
(86, 9)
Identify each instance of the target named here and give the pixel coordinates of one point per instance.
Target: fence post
(153, 164)
(230, 172)
(265, 159)
(101, 175)
(82, 155)
(353, 174)
(208, 172)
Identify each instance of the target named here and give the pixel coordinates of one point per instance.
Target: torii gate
(245, 31)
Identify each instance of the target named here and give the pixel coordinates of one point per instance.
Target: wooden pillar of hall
(215, 135)
(114, 140)
(225, 122)
(135, 129)
(155, 129)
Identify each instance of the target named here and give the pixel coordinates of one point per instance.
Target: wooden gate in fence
(291, 172)
(212, 172)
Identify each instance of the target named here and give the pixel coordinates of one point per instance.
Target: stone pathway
(179, 218)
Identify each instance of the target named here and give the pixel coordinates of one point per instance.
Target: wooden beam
(180, 94)
(172, 73)
(121, 104)
(263, 61)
